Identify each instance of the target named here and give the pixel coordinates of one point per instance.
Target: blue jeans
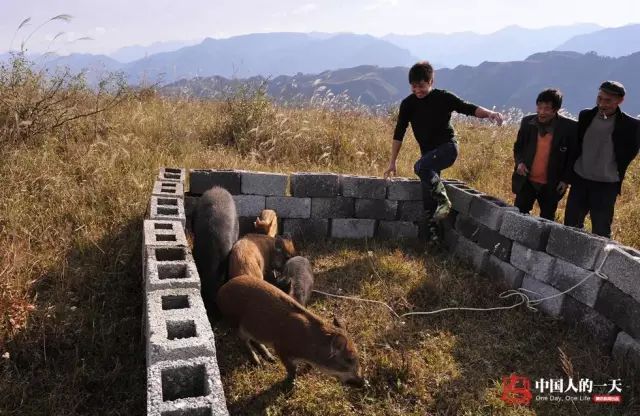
(428, 169)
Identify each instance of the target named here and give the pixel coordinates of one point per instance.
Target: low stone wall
(519, 251)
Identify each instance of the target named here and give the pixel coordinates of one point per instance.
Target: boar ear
(339, 323)
(338, 344)
(279, 244)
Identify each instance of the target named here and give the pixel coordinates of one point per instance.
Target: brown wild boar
(297, 279)
(259, 255)
(215, 228)
(267, 223)
(266, 315)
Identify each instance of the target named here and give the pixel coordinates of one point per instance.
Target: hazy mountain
(132, 53)
(619, 41)
(501, 84)
(268, 54)
(95, 67)
(468, 48)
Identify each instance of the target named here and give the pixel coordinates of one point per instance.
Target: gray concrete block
(336, 207)
(535, 290)
(403, 189)
(529, 231)
(368, 187)
(304, 184)
(168, 189)
(497, 244)
(566, 275)
(172, 174)
(626, 351)
(576, 246)
(468, 227)
(620, 308)
(450, 238)
(396, 230)
(306, 229)
(352, 228)
(177, 326)
(504, 273)
(264, 183)
(185, 387)
(410, 211)
(289, 207)
(488, 211)
(470, 253)
(578, 314)
(535, 263)
(201, 180)
(167, 209)
(249, 205)
(381, 209)
(160, 233)
(622, 267)
(170, 268)
(461, 197)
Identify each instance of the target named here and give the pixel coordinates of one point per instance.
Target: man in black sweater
(608, 140)
(429, 111)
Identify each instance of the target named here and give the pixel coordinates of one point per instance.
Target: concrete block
(336, 207)
(578, 314)
(450, 238)
(168, 189)
(381, 209)
(566, 275)
(177, 326)
(201, 180)
(169, 268)
(470, 253)
(497, 244)
(306, 229)
(461, 197)
(529, 231)
(535, 289)
(167, 209)
(626, 351)
(395, 230)
(160, 233)
(620, 308)
(410, 211)
(504, 273)
(488, 211)
(576, 246)
(305, 184)
(289, 207)
(368, 187)
(622, 267)
(249, 205)
(352, 228)
(264, 183)
(172, 174)
(535, 263)
(185, 387)
(403, 189)
(468, 227)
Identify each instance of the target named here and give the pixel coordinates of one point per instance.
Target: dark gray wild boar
(266, 315)
(298, 276)
(215, 228)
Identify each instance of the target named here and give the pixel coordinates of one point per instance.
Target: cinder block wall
(518, 251)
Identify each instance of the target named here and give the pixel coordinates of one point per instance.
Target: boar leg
(264, 351)
(289, 365)
(247, 340)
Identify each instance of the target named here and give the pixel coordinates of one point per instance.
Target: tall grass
(72, 198)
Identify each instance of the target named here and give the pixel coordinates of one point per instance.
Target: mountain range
(491, 84)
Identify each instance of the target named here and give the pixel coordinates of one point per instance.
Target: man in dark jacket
(607, 143)
(542, 156)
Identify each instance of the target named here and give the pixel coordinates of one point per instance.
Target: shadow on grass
(82, 353)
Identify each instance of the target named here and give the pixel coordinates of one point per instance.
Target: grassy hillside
(72, 200)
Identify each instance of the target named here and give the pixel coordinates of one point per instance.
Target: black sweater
(430, 118)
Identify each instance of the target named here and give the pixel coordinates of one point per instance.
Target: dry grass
(71, 209)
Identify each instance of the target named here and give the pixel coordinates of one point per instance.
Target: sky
(111, 24)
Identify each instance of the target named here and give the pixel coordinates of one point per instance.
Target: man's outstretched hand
(391, 170)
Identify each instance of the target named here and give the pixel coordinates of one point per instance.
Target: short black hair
(422, 71)
(550, 95)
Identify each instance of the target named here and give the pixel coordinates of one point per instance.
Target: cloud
(379, 4)
(304, 9)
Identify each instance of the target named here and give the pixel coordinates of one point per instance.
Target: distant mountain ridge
(499, 84)
(619, 41)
